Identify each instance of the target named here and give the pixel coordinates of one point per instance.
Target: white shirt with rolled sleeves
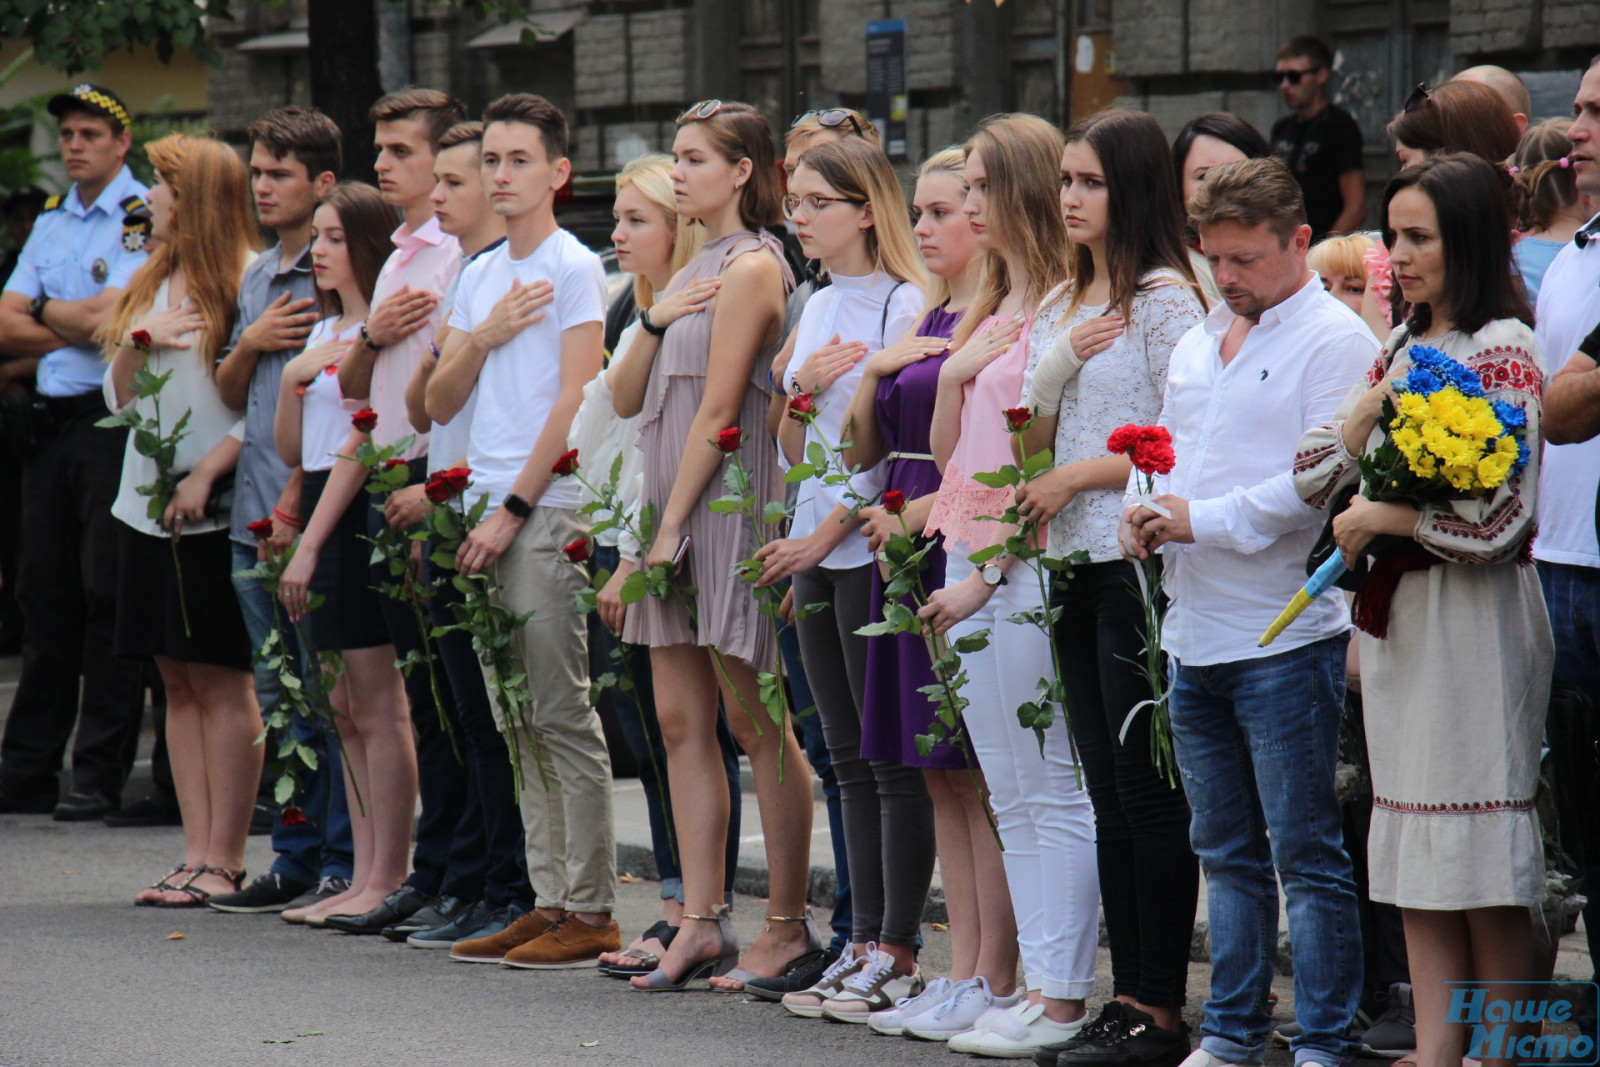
(521, 380)
(875, 309)
(1569, 307)
(1235, 430)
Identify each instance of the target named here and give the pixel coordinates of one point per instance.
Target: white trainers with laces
(1016, 1035)
(890, 1021)
(876, 987)
(967, 1003)
(807, 1003)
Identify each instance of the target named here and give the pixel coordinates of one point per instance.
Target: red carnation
(1018, 419)
(261, 528)
(294, 817)
(802, 407)
(390, 465)
(437, 490)
(456, 479)
(566, 464)
(729, 440)
(894, 501)
(1154, 457)
(364, 420)
(140, 339)
(578, 551)
(1123, 438)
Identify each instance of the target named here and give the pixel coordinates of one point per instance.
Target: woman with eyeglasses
(698, 368)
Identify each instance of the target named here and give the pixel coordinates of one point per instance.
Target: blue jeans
(1256, 743)
(321, 847)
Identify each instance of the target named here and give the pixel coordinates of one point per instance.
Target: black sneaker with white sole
(1395, 1032)
(1136, 1042)
(270, 892)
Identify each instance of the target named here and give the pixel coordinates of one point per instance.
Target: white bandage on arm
(1056, 368)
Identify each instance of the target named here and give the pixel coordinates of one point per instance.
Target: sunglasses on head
(830, 118)
(1293, 76)
(1418, 97)
(703, 110)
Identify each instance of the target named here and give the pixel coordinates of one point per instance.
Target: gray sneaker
(327, 886)
(1395, 1032)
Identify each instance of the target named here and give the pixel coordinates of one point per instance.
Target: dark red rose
(802, 407)
(261, 528)
(456, 479)
(294, 817)
(437, 490)
(578, 551)
(391, 464)
(894, 501)
(1018, 419)
(364, 420)
(729, 440)
(140, 339)
(566, 464)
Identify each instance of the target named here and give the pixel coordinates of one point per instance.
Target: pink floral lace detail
(957, 507)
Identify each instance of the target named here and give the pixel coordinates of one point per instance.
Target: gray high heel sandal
(813, 947)
(725, 960)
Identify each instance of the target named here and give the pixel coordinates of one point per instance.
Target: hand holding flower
(1155, 529)
(953, 603)
(1041, 498)
(188, 502)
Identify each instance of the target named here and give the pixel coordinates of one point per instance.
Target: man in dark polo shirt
(1320, 143)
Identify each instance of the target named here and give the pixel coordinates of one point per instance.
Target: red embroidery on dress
(1465, 807)
(1304, 461)
(1449, 524)
(1504, 367)
(1380, 368)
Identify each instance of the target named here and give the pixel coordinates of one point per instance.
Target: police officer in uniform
(83, 250)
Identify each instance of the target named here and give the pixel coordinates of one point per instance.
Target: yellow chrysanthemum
(1493, 468)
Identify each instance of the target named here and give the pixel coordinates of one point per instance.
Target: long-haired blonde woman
(183, 301)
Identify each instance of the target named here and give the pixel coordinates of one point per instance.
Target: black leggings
(887, 817)
(1149, 877)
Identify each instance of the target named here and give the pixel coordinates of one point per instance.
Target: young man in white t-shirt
(528, 367)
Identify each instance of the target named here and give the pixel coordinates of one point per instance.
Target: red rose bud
(802, 407)
(294, 817)
(390, 465)
(566, 464)
(456, 479)
(894, 501)
(729, 440)
(1018, 419)
(140, 339)
(578, 551)
(364, 420)
(261, 528)
(437, 490)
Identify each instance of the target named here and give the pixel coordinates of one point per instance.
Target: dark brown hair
(738, 131)
(1309, 47)
(462, 133)
(367, 223)
(1144, 209)
(1458, 117)
(1544, 183)
(436, 111)
(306, 133)
(532, 110)
(1475, 233)
(1250, 192)
(1225, 127)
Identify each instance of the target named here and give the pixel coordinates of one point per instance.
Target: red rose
(437, 490)
(566, 464)
(261, 528)
(1154, 457)
(894, 501)
(1018, 419)
(364, 420)
(802, 407)
(391, 464)
(729, 440)
(456, 479)
(294, 817)
(140, 339)
(578, 551)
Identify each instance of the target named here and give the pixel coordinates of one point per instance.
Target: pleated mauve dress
(728, 617)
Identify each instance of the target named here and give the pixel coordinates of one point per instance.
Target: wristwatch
(993, 573)
(649, 327)
(517, 506)
(36, 308)
(366, 339)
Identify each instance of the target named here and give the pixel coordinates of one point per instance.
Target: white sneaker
(875, 987)
(1201, 1058)
(807, 1003)
(1017, 1036)
(890, 1020)
(967, 1003)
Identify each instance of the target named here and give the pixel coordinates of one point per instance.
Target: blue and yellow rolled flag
(1331, 571)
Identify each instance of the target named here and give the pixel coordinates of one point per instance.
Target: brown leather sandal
(166, 884)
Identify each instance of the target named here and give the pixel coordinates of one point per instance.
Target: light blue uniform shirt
(59, 262)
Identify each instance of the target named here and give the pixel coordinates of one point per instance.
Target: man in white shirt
(1566, 550)
(1256, 731)
(529, 368)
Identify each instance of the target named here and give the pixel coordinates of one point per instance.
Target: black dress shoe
(437, 912)
(84, 807)
(396, 907)
(27, 803)
(153, 810)
(262, 819)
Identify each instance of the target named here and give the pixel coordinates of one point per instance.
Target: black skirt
(351, 614)
(150, 614)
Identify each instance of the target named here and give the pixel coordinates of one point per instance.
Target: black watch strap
(649, 327)
(517, 506)
(36, 308)
(366, 339)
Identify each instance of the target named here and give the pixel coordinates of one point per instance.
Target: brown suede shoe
(494, 948)
(569, 943)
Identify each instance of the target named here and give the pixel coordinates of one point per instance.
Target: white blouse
(600, 435)
(325, 416)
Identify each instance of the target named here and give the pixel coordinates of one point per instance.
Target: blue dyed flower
(1511, 416)
(1432, 370)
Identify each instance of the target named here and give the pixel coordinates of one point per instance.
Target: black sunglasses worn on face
(1292, 76)
(830, 118)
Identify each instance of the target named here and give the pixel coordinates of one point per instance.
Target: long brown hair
(368, 224)
(1022, 160)
(861, 171)
(1144, 208)
(738, 131)
(210, 236)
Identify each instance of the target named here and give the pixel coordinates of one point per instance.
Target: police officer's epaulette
(52, 202)
(135, 224)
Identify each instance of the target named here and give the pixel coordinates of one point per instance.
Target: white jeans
(1046, 822)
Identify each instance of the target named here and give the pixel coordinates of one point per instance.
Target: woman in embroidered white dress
(1456, 666)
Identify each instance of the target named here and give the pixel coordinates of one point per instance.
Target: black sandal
(166, 885)
(197, 897)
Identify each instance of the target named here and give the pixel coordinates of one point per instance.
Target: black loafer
(803, 977)
(434, 913)
(84, 807)
(396, 907)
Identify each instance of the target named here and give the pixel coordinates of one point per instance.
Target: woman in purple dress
(889, 422)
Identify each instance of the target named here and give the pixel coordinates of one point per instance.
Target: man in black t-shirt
(1320, 143)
